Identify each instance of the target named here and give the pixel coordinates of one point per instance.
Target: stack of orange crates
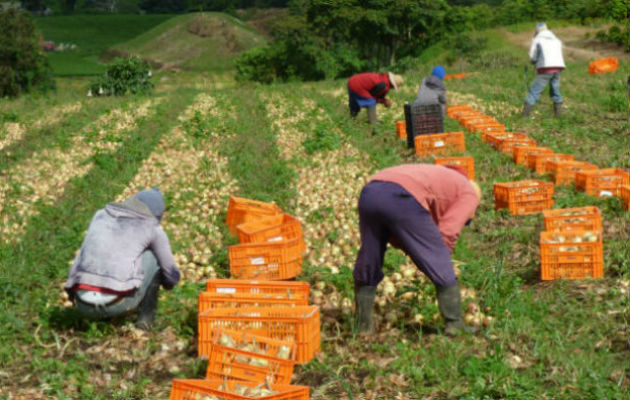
(563, 172)
(538, 161)
(465, 162)
(440, 144)
(571, 247)
(520, 153)
(604, 182)
(270, 246)
(253, 332)
(523, 197)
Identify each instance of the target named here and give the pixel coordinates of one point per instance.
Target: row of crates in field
(571, 247)
(532, 196)
(254, 327)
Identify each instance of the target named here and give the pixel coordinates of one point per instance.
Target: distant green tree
(23, 66)
(163, 6)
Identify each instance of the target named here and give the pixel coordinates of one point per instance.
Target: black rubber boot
(450, 305)
(364, 307)
(557, 109)
(527, 109)
(148, 305)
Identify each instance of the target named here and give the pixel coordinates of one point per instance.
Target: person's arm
(379, 91)
(453, 221)
(161, 247)
(533, 51)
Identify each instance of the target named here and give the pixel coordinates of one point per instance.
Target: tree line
(331, 39)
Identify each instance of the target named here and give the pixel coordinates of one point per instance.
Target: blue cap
(154, 200)
(439, 72)
(541, 26)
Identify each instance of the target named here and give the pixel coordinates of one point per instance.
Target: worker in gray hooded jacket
(123, 260)
(432, 90)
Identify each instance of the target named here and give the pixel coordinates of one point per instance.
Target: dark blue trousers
(387, 210)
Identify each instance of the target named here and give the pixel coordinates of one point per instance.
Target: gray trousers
(128, 304)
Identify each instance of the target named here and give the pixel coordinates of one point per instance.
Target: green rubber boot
(557, 109)
(364, 307)
(527, 109)
(450, 305)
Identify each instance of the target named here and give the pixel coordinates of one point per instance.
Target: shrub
(23, 65)
(123, 75)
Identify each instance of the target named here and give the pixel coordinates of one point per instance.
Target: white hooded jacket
(546, 50)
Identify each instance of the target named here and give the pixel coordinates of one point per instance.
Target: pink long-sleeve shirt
(446, 194)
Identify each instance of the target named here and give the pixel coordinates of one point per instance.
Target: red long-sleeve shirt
(363, 84)
(446, 194)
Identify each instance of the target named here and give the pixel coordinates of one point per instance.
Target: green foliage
(124, 75)
(23, 66)
(322, 139)
(616, 34)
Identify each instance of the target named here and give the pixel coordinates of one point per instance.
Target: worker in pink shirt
(421, 209)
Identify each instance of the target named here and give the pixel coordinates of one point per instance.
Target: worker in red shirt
(368, 89)
(420, 209)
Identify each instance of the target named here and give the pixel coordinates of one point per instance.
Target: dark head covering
(154, 200)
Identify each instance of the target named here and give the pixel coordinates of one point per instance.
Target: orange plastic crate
(625, 195)
(563, 172)
(571, 255)
(244, 356)
(603, 182)
(271, 229)
(520, 153)
(457, 108)
(485, 119)
(538, 162)
(266, 261)
(209, 300)
(460, 115)
(299, 324)
(487, 127)
(242, 210)
(278, 289)
(506, 145)
(195, 389)
(603, 65)
(523, 197)
(581, 218)
(401, 129)
(495, 138)
(467, 163)
(440, 143)
(495, 128)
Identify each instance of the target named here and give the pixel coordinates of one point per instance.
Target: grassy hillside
(64, 156)
(92, 34)
(206, 41)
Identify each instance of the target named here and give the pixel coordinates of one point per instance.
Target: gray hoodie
(432, 91)
(110, 256)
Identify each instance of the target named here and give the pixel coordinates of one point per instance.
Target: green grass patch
(92, 34)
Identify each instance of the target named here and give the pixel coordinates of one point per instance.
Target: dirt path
(576, 47)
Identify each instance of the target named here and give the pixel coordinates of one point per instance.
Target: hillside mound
(200, 41)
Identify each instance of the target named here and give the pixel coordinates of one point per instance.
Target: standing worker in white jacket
(546, 53)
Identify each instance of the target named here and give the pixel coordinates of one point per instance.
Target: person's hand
(387, 102)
